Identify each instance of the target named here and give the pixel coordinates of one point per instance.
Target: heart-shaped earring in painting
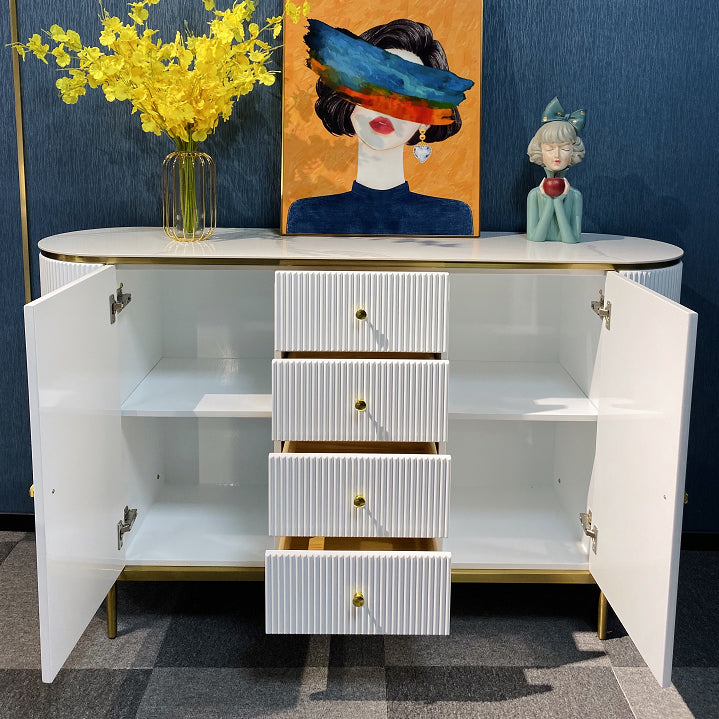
(422, 150)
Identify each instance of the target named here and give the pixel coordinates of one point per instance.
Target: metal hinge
(125, 524)
(603, 308)
(591, 531)
(118, 304)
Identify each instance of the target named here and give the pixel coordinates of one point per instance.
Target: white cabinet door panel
(72, 355)
(643, 391)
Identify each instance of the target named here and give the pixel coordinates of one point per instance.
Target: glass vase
(189, 194)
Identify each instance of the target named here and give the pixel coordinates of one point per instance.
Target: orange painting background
(314, 162)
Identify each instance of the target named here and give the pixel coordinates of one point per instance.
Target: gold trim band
(25, 237)
(144, 573)
(522, 576)
(342, 264)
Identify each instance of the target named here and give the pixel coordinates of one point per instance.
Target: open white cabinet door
(642, 387)
(72, 357)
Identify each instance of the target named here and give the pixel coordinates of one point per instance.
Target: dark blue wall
(644, 71)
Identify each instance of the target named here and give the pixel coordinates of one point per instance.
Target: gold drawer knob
(358, 599)
(359, 501)
(361, 314)
(360, 405)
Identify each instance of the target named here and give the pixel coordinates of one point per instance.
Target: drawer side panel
(404, 495)
(405, 311)
(311, 592)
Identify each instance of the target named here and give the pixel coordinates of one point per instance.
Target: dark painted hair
(415, 37)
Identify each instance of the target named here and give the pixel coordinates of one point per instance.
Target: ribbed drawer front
(666, 281)
(310, 592)
(398, 495)
(405, 311)
(316, 399)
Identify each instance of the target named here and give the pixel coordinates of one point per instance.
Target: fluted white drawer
(359, 495)
(314, 592)
(398, 311)
(321, 399)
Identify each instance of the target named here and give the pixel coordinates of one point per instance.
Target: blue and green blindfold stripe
(379, 80)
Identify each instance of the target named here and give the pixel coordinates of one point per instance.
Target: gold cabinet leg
(111, 606)
(602, 616)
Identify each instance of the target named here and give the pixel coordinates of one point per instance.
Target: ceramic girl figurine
(554, 209)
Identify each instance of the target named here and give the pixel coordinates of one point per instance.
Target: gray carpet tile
(699, 688)
(223, 625)
(19, 625)
(356, 651)
(143, 615)
(697, 628)
(647, 699)
(76, 694)
(5, 549)
(504, 693)
(296, 693)
(618, 645)
(14, 537)
(501, 641)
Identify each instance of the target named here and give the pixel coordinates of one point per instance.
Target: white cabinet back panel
(517, 491)
(538, 391)
(313, 495)
(406, 400)
(310, 592)
(216, 312)
(405, 311)
(204, 387)
(206, 525)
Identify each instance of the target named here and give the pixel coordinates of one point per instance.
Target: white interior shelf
(516, 391)
(203, 525)
(203, 387)
(513, 528)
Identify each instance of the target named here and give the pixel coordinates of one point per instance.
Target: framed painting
(381, 119)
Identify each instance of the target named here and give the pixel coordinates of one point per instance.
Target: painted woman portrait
(554, 209)
(389, 87)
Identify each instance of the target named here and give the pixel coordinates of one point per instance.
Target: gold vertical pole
(111, 606)
(602, 612)
(20, 153)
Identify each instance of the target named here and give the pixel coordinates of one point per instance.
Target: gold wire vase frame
(189, 196)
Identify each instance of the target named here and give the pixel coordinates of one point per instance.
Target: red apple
(554, 186)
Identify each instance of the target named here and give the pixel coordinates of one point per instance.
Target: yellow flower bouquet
(181, 88)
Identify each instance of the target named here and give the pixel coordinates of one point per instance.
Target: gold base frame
(257, 574)
(24, 234)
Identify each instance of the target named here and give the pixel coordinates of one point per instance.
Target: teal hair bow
(554, 112)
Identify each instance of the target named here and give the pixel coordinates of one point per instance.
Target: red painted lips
(382, 126)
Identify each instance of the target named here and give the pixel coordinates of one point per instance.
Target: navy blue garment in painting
(364, 211)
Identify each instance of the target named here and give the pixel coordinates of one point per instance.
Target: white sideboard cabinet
(550, 381)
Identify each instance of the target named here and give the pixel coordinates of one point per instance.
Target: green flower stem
(188, 199)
